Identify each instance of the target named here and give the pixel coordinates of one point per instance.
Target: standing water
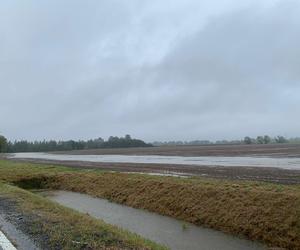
(285, 163)
(175, 234)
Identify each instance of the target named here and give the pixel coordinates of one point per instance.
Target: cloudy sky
(158, 70)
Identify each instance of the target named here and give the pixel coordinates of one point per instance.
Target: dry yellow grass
(268, 213)
(64, 228)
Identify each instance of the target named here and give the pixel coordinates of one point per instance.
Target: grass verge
(264, 212)
(58, 227)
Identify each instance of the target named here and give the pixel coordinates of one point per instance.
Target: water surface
(285, 163)
(173, 233)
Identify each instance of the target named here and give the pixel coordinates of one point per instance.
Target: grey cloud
(246, 61)
(193, 69)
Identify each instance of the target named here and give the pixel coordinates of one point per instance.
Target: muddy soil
(19, 227)
(268, 174)
(272, 150)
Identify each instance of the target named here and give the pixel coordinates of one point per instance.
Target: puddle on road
(173, 233)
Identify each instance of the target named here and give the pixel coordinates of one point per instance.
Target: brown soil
(268, 174)
(274, 150)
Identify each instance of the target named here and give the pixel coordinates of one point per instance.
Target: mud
(268, 174)
(20, 227)
(271, 150)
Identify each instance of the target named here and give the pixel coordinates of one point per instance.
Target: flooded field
(284, 163)
(173, 233)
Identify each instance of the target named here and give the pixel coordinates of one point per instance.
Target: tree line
(124, 142)
(246, 140)
(52, 145)
(267, 140)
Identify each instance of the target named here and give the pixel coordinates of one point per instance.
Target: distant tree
(281, 139)
(267, 139)
(124, 142)
(3, 144)
(44, 146)
(127, 137)
(96, 143)
(260, 140)
(248, 140)
(294, 140)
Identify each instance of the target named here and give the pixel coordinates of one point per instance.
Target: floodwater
(167, 231)
(285, 163)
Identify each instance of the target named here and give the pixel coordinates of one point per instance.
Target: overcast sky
(158, 70)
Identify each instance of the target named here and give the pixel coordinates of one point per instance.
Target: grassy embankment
(57, 227)
(268, 213)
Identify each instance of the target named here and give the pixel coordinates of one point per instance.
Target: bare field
(273, 150)
(269, 174)
(274, 175)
